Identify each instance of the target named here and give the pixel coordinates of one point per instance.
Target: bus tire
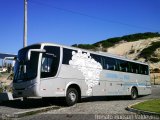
(134, 93)
(71, 96)
(25, 98)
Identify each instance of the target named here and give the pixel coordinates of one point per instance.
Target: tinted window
(26, 70)
(97, 58)
(144, 69)
(123, 65)
(134, 68)
(140, 69)
(50, 61)
(67, 55)
(109, 63)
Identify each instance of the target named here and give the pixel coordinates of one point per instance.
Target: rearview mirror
(34, 50)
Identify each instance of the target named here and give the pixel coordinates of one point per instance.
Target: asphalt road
(96, 108)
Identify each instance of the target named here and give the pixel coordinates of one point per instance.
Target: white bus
(52, 70)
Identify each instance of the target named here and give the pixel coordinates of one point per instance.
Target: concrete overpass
(4, 55)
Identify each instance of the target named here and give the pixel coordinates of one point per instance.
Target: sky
(71, 22)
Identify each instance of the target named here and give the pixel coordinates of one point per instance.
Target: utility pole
(25, 24)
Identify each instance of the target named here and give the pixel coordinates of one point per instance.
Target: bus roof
(94, 52)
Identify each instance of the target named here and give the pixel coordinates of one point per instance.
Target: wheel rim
(134, 93)
(72, 96)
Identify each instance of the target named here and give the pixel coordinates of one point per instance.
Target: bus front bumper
(29, 91)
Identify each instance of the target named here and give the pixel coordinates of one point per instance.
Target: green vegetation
(128, 38)
(156, 70)
(147, 52)
(151, 106)
(112, 41)
(84, 46)
(5, 88)
(1, 90)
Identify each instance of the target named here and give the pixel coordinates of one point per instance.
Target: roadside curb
(129, 108)
(30, 112)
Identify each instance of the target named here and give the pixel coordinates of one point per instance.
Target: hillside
(112, 41)
(144, 47)
(144, 50)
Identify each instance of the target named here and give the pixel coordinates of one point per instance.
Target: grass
(151, 106)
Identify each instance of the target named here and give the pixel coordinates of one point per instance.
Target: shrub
(128, 38)
(84, 46)
(156, 70)
(112, 41)
(147, 52)
(154, 60)
(131, 51)
(3, 88)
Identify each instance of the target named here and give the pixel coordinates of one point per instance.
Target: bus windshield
(25, 70)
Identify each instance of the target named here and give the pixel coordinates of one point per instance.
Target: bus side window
(147, 70)
(133, 67)
(137, 68)
(50, 61)
(98, 58)
(110, 63)
(122, 65)
(140, 69)
(107, 66)
(131, 70)
(144, 69)
(46, 64)
(67, 55)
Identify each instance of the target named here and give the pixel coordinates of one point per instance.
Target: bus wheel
(134, 93)
(25, 98)
(71, 96)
